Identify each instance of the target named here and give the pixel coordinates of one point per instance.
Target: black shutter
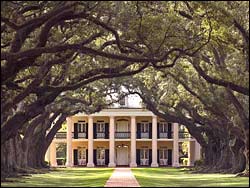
(87, 130)
(87, 156)
(95, 157)
(106, 130)
(158, 130)
(75, 157)
(150, 130)
(138, 157)
(150, 157)
(94, 127)
(169, 157)
(158, 156)
(138, 130)
(106, 156)
(169, 130)
(75, 130)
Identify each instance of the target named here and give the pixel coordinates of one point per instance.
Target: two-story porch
(133, 137)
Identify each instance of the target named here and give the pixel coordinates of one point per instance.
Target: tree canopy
(188, 61)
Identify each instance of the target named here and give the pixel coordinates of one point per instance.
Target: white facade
(123, 137)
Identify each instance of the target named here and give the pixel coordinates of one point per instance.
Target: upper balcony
(101, 135)
(166, 135)
(122, 135)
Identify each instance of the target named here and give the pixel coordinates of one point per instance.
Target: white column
(112, 142)
(53, 161)
(133, 142)
(90, 142)
(189, 154)
(154, 142)
(69, 142)
(197, 151)
(175, 161)
(47, 155)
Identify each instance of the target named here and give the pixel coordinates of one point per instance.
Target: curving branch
(220, 82)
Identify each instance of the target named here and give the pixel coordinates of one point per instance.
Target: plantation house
(123, 135)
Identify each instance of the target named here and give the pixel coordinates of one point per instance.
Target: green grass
(65, 177)
(147, 177)
(172, 177)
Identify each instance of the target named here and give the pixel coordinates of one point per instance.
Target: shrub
(60, 161)
(198, 162)
(47, 163)
(185, 161)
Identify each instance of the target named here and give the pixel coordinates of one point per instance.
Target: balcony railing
(144, 135)
(122, 135)
(61, 135)
(100, 135)
(165, 135)
(80, 135)
(184, 135)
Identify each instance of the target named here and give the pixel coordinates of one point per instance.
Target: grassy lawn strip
(65, 177)
(172, 177)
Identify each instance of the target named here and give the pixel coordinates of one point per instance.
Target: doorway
(122, 156)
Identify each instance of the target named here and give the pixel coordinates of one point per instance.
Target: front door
(122, 156)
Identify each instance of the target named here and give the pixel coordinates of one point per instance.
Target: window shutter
(87, 130)
(94, 127)
(138, 157)
(95, 157)
(106, 156)
(158, 130)
(75, 130)
(169, 156)
(106, 130)
(169, 130)
(138, 130)
(150, 157)
(150, 130)
(75, 156)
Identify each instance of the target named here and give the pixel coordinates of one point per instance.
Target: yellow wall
(105, 119)
(163, 144)
(101, 144)
(79, 144)
(104, 144)
(143, 118)
(160, 144)
(142, 144)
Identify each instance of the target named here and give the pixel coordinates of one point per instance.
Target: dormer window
(122, 101)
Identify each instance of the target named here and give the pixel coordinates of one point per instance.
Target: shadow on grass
(73, 177)
(170, 177)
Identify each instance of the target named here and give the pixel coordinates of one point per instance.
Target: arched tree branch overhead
(220, 82)
(66, 57)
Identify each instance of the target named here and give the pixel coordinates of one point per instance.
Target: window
(163, 153)
(122, 101)
(145, 127)
(144, 153)
(81, 127)
(81, 153)
(100, 127)
(163, 127)
(100, 153)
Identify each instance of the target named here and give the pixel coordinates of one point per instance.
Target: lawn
(65, 177)
(172, 177)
